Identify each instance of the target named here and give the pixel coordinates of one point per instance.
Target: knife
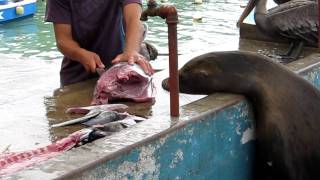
(100, 71)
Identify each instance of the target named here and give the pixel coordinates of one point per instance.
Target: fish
(105, 117)
(103, 107)
(100, 117)
(90, 114)
(12, 162)
(116, 126)
(124, 81)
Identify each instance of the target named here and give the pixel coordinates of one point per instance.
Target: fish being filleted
(124, 81)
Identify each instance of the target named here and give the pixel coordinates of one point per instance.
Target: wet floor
(30, 98)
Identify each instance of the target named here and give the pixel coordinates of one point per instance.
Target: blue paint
(313, 76)
(8, 13)
(210, 148)
(212, 151)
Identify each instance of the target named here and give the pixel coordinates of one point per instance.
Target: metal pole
(318, 25)
(169, 13)
(173, 67)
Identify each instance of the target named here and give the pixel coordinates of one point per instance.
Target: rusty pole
(169, 13)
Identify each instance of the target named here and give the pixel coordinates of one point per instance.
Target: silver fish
(103, 107)
(105, 117)
(91, 114)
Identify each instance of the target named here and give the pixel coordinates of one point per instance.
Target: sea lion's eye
(203, 73)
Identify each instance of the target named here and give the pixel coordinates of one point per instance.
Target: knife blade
(100, 71)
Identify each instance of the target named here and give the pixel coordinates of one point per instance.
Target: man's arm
(134, 37)
(134, 28)
(71, 49)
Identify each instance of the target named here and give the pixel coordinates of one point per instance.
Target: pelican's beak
(246, 11)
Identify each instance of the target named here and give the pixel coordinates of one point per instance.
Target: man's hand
(134, 32)
(70, 48)
(134, 57)
(90, 60)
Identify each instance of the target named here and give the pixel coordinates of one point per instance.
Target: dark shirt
(97, 26)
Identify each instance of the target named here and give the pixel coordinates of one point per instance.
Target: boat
(15, 9)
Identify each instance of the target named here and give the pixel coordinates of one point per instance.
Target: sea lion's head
(214, 72)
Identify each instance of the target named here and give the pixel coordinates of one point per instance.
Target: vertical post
(169, 13)
(319, 25)
(173, 67)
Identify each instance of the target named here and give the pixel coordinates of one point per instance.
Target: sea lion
(286, 109)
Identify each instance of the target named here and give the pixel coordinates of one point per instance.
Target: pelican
(284, 1)
(280, 1)
(295, 20)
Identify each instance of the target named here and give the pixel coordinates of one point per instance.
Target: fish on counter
(124, 81)
(103, 107)
(102, 120)
(11, 162)
(104, 110)
(98, 116)
(91, 114)
(118, 125)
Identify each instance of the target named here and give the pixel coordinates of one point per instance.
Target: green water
(30, 63)
(32, 37)
(29, 37)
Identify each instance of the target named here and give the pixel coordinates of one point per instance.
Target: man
(90, 35)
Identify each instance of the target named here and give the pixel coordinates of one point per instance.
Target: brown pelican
(284, 1)
(280, 1)
(294, 20)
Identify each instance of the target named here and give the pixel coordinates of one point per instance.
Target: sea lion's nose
(165, 84)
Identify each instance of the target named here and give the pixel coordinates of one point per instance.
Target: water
(30, 62)
(29, 37)
(218, 26)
